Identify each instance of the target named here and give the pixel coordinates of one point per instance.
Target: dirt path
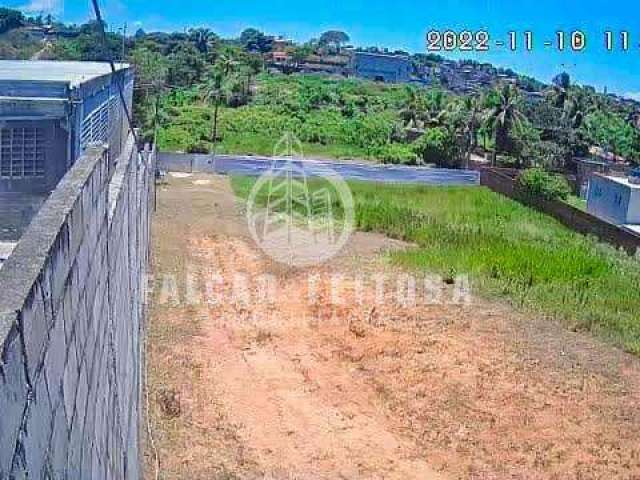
(312, 382)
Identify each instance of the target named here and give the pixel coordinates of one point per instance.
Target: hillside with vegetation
(198, 92)
(396, 124)
(16, 41)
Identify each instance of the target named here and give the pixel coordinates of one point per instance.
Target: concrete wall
(633, 215)
(608, 199)
(503, 181)
(256, 166)
(387, 68)
(71, 323)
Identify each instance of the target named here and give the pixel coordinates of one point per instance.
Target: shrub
(397, 153)
(437, 145)
(538, 183)
(544, 154)
(198, 147)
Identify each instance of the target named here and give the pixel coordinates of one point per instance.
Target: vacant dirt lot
(327, 382)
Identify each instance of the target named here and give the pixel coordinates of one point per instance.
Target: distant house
(615, 199)
(335, 65)
(585, 169)
(381, 67)
(279, 57)
(281, 44)
(599, 153)
(36, 31)
(534, 98)
(599, 161)
(280, 50)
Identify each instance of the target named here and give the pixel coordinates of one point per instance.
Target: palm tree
(414, 111)
(472, 108)
(437, 108)
(503, 115)
(559, 90)
(576, 107)
(217, 86)
(203, 39)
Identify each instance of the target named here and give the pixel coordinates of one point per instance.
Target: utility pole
(124, 38)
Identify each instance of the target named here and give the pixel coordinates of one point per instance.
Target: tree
(151, 67)
(10, 19)
(218, 85)
(301, 53)
(576, 107)
(542, 154)
(186, 66)
(530, 84)
(562, 80)
(437, 146)
(203, 39)
(254, 40)
(538, 183)
(89, 44)
(414, 112)
(612, 133)
(437, 108)
(334, 38)
(560, 89)
(503, 115)
(472, 109)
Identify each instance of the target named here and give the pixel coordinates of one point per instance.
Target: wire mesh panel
(22, 152)
(97, 126)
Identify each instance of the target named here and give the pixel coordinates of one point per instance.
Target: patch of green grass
(509, 251)
(242, 187)
(577, 202)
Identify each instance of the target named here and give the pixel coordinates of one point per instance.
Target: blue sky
(402, 24)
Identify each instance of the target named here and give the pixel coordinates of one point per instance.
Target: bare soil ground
(335, 388)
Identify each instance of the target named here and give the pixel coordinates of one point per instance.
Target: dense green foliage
(508, 250)
(406, 124)
(613, 133)
(538, 183)
(359, 116)
(436, 145)
(89, 46)
(10, 19)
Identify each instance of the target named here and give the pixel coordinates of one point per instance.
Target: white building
(615, 199)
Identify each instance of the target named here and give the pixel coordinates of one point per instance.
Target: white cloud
(633, 95)
(44, 6)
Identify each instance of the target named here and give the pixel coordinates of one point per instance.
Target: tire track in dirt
(301, 411)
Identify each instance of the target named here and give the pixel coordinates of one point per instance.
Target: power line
(103, 35)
